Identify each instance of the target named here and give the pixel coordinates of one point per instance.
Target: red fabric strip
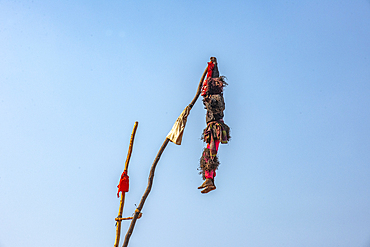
(210, 68)
(123, 185)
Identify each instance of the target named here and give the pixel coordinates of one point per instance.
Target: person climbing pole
(216, 131)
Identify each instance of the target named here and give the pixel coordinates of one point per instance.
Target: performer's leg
(213, 147)
(208, 165)
(208, 185)
(210, 174)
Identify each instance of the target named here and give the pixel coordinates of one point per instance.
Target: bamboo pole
(122, 201)
(152, 170)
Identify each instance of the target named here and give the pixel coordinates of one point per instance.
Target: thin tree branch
(199, 89)
(122, 201)
(147, 191)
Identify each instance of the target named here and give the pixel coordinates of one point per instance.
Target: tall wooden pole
(199, 89)
(152, 170)
(122, 201)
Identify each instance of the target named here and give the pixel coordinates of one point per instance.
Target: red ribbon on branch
(210, 68)
(123, 185)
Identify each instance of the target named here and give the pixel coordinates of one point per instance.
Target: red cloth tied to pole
(123, 183)
(210, 68)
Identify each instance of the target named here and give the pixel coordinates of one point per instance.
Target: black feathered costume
(216, 131)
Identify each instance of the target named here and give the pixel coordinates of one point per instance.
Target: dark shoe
(206, 183)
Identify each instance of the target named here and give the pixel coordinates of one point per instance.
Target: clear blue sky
(76, 75)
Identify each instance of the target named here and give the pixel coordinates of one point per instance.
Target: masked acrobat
(216, 131)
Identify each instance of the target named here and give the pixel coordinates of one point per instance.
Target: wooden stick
(152, 170)
(122, 201)
(128, 218)
(130, 147)
(199, 89)
(146, 193)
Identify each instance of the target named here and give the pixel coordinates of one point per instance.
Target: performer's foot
(208, 189)
(206, 183)
(208, 186)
